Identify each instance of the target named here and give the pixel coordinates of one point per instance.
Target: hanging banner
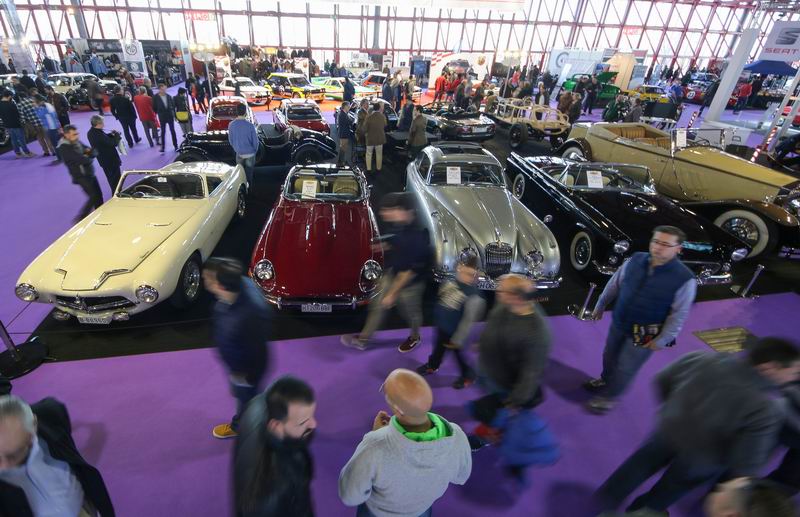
(783, 43)
(200, 16)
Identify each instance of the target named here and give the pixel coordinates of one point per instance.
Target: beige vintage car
(755, 203)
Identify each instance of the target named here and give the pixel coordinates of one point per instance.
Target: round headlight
(26, 292)
(264, 270)
(146, 294)
(534, 258)
(370, 274)
(794, 205)
(465, 254)
(622, 247)
(738, 254)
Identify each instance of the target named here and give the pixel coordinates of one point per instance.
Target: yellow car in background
(648, 93)
(296, 86)
(759, 205)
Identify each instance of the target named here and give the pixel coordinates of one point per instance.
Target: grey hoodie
(398, 477)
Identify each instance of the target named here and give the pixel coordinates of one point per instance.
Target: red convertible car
(222, 110)
(301, 113)
(316, 250)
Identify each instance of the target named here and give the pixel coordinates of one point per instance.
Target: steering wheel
(140, 188)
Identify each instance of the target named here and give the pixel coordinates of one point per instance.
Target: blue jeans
(363, 511)
(243, 395)
(18, 140)
(621, 361)
(249, 164)
(54, 137)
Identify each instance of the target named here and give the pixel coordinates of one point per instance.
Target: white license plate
(316, 307)
(95, 320)
(487, 284)
(479, 129)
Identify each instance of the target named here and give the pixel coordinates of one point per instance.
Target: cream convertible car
(146, 244)
(759, 205)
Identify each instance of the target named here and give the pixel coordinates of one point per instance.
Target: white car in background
(255, 94)
(143, 246)
(62, 83)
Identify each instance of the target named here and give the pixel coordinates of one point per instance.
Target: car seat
(345, 186)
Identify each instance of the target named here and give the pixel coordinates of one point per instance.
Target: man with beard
(272, 465)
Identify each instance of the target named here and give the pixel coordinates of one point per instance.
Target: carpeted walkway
(146, 420)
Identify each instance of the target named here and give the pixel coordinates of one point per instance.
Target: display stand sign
(680, 138)
(783, 42)
(309, 189)
(454, 175)
(594, 179)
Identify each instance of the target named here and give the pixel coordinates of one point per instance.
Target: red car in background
(316, 250)
(301, 113)
(221, 110)
(787, 110)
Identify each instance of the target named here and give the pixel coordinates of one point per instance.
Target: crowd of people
(721, 416)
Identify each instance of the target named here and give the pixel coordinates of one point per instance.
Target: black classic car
(292, 145)
(457, 124)
(601, 213)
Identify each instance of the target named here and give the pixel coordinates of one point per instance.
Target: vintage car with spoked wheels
(602, 213)
(525, 120)
(143, 246)
(461, 197)
(301, 113)
(222, 110)
(453, 123)
(278, 146)
(316, 251)
(757, 204)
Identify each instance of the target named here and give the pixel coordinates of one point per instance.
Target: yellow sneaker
(224, 431)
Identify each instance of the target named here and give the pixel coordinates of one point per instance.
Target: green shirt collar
(440, 429)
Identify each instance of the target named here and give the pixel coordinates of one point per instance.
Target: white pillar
(731, 75)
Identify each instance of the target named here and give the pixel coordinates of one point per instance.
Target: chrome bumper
(485, 283)
(789, 252)
(604, 270)
(709, 279)
(351, 303)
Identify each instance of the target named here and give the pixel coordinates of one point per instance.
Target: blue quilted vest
(647, 298)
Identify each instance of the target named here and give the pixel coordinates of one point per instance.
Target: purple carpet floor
(146, 420)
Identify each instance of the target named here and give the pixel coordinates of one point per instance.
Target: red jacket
(144, 106)
(745, 90)
(452, 85)
(441, 84)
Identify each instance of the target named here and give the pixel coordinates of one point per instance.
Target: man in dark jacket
(272, 468)
(41, 84)
(61, 104)
(78, 158)
(105, 146)
(241, 325)
(164, 106)
(387, 92)
(407, 260)
(42, 471)
(344, 126)
(27, 81)
(95, 93)
(9, 114)
(654, 292)
(718, 416)
(349, 90)
(123, 110)
(190, 85)
(514, 346)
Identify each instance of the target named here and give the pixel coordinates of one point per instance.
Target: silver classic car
(462, 200)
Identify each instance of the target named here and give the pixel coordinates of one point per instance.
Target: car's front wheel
(573, 152)
(581, 251)
(751, 228)
(518, 186)
(188, 288)
(518, 135)
(307, 157)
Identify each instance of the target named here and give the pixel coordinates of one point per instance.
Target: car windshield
(224, 111)
(467, 173)
(309, 184)
(63, 81)
(607, 177)
(682, 138)
(304, 114)
(175, 186)
(299, 81)
(376, 79)
(245, 82)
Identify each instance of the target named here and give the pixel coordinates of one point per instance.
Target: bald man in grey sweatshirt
(407, 462)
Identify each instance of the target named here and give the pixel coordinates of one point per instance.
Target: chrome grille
(94, 303)
(498, 258)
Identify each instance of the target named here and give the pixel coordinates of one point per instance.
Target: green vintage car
(607, 91)
(334, 88)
